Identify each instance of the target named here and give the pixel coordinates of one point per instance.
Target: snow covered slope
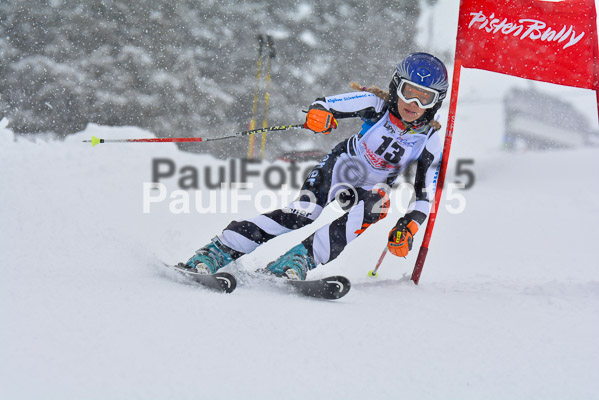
(507, 305)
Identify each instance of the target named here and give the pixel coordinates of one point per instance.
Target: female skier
(399, 129)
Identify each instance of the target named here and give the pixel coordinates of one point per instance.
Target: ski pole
(256, 92)
(271, 54)
(378, 264)
(94, 140)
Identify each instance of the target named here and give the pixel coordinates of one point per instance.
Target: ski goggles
(424, 96)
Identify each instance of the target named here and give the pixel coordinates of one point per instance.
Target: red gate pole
(595, 58)
(457, 66)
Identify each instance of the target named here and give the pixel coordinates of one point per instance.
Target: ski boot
(293, 265)
(210, 258)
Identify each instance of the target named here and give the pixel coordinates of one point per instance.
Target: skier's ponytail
(373, 89)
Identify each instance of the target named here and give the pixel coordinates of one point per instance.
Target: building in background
(539, 121)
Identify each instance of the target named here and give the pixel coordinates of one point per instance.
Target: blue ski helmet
(423, 69)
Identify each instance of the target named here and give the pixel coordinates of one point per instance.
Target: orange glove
(401, 237)
(320, 120)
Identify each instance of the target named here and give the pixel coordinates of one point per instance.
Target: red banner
(545, 40)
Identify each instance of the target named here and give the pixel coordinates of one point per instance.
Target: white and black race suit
(358, 172)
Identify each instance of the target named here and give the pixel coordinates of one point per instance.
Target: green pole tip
(95, 141)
